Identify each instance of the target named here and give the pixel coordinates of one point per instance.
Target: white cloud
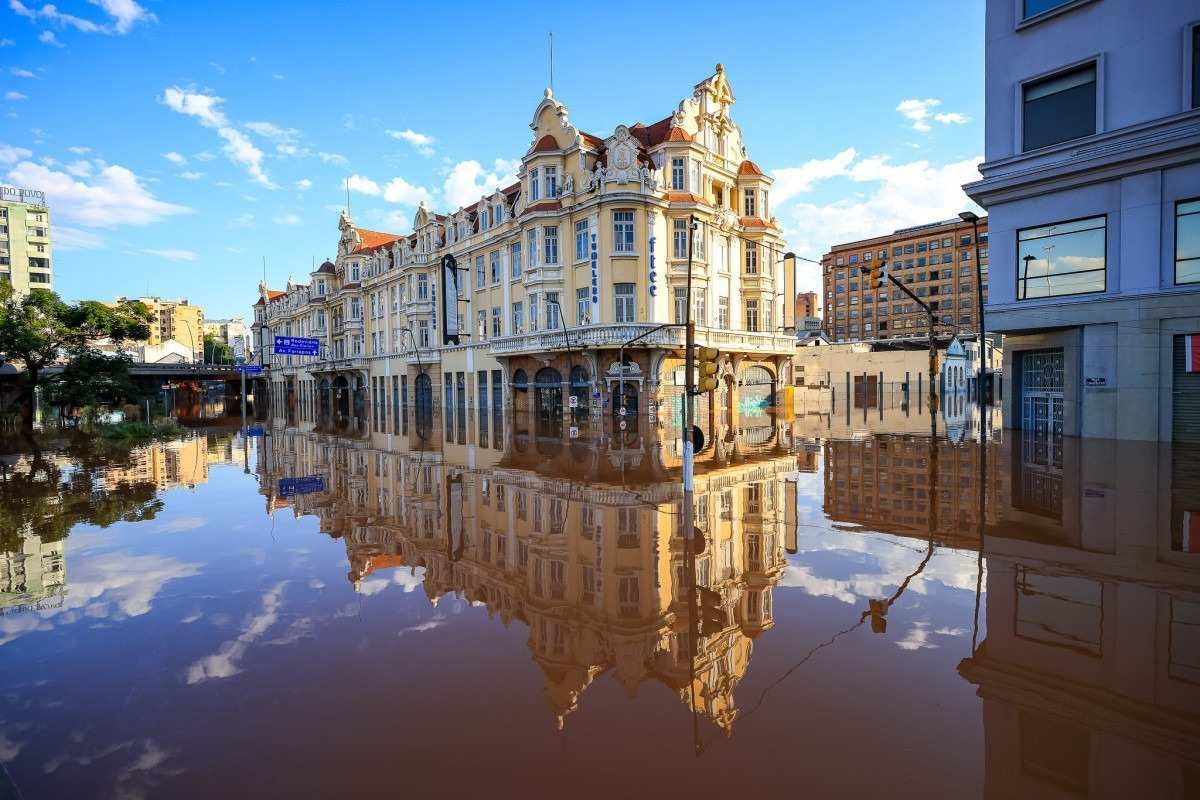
(15, 96)
(175, 158)
(388, 220)
(285, 139)
(218, 67)
(919, 112)
(11, 155)
(124, 14)
(421, 142)
(205, 108)
(792, 181)
(80, 169)
(68, 238)
(47, 37)
(191, 175)
(204, 155)
(402, 192)
(467, 181)
(21, 73)
(115, 197)
(900, 195)
(279, 76)
(304, 184)
(362, 185)
(183, 523)
(332, 158)
(952, 118)
(7, 43)
(79, 151)
(287, 218)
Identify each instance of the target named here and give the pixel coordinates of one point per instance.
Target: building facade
(177, 320)
(233, 332)
(1092, 185)
(25, 255)
(936, 261)
(526, 297)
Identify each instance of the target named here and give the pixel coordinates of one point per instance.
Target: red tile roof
(753, 222)
(748, 167)
(545, 205)
(679, 135)
(544, 144)
(274, 295)
(327, 268)
(382, 562)
(374, 239)
(683, 197)
(594, 142)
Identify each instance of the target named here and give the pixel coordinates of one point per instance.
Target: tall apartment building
(25, 257)
(527, 296)
(177, 320)
(1091, 179)
(936, 261)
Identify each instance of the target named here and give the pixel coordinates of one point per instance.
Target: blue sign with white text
(296, 346)
(255, 431)
(252, 369)
(310, 484)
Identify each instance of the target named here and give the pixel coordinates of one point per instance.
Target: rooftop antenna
(551, 62)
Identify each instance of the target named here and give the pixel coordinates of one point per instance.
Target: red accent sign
(1191, 353)
(1191, 531)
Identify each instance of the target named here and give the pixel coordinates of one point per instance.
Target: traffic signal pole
(877, 275)
(689, 364)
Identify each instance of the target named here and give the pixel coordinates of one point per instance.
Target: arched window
(520, 381)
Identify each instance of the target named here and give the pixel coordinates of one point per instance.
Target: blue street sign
(296, 346)
(252, 369)
(238, 361)
(289, 487)
(255, 431)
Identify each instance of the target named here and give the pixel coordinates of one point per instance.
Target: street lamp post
(984, 352)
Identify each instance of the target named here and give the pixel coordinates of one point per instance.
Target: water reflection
(1027, 622)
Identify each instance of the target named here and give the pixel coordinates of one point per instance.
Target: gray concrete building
(1091, 181)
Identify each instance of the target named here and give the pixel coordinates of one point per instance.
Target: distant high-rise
(25, 239)
(177, 320)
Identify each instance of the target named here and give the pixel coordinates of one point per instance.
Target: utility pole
(689, 365)
(932, 337)
(984, 351)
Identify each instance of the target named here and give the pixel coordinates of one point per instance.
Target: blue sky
(180, 143)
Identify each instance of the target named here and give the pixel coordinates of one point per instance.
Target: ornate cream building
(525, 298)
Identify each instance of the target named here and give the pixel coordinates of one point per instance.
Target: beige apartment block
(177, 320)
(25, 256)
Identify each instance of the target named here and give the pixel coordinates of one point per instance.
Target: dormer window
(750, 205)
(534, 187)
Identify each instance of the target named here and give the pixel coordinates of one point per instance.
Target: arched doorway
(625, 397)
(757, 391)
(341, 396)
(580, 388)
(547, 384)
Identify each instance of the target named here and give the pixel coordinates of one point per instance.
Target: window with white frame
(623, 231)
(481, 324)
(480, 275)
(422, 287)
(550, 244)
(551, 181)
(518, 317)
(700, 306)
(723, 313)
(583, 306)
(699, 236)
(678, 173)
(494, 266)
(752, 315)
(495, 322)
(581, 240)
(679, 238)
(535, 188)
(531, 247)
(553, 311)
(514, 258)
(423, 332)
(533, 312)
(680, 304)
(751, 258)
(624, 302)
(749, 205)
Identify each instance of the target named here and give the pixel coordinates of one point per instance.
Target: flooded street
(869, 607)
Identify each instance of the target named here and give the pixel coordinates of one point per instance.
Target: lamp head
(968, 216)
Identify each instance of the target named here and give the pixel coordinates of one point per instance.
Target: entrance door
(1042, 391)
(547, 384)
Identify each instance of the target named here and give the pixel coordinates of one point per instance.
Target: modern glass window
(751, 210)
(751, 258)
(1034, 7)
(623, 231)
(1059, 108)
(752, 315)
(550, 240)
(1061, 259)
(679, 238)
(677, 174)
(514, 255)
(1187, 241)
(623, 298)
(581, 240)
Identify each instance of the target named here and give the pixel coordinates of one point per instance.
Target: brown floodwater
(866, 608)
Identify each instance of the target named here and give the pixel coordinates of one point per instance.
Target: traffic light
(877, 275)
(706, 363)
(712, 616)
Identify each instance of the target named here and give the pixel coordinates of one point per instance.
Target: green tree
(92, 378)
(216, 351)
(40, 330)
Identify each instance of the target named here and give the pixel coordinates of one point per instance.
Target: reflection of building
(25, 258)
(31, 576)
(588, 249)
(936, 261)
(1090, 669)
(183, 462)
(591, 563)
(1092, 182)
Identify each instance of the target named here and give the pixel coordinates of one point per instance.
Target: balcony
(614, 335)
(339, 364)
